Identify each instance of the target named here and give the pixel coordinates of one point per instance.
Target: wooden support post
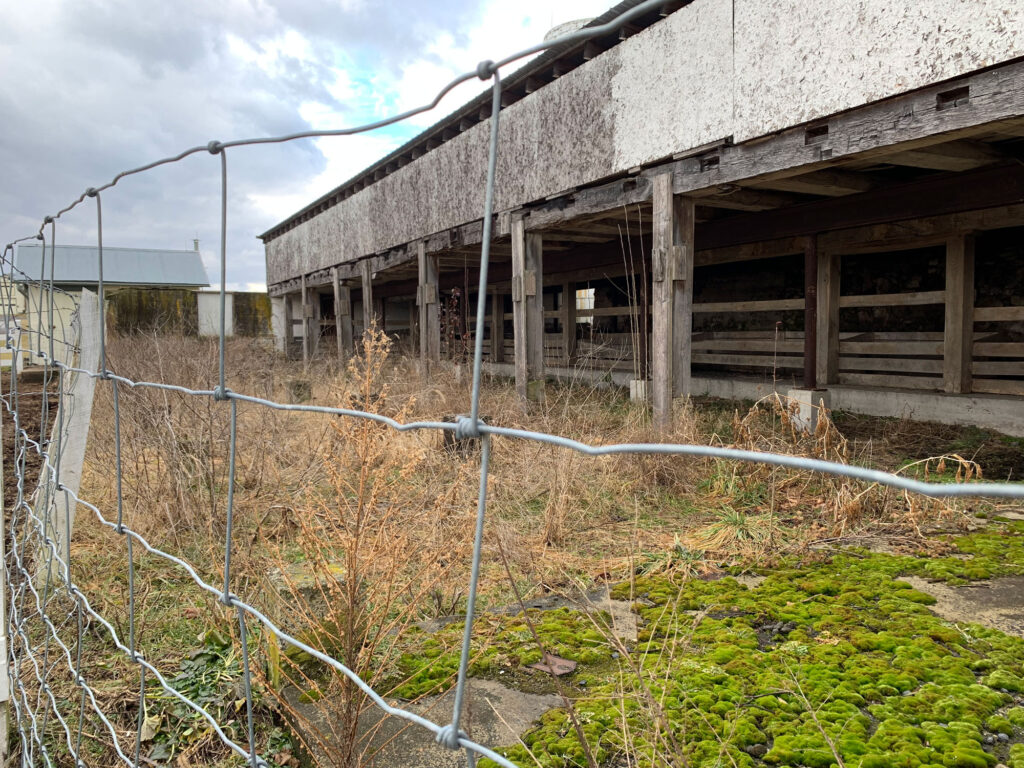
(497, 327)
(306, 311)
(682, 323)
(414, 328)
(367, 280)
(533, 291)
(528, 310)
(672, 299)
(959, 330)
(289, 325)
(810, 312)
(342, 316)
(568, 321)
(427, 298)
(827, 321)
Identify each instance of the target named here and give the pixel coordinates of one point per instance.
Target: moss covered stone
(823, 660)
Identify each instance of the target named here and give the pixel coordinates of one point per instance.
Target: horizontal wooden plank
(890, 348)
(767, 334)
(998, 349)
(893, 299)
(755, 361)
(607, 311)
(893, 336)
(897, 364)
(998, 368)
(749, 345)
(890, 380)
(774, 305)
(998, 386)
(998, 314)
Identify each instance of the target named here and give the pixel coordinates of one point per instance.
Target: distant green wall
(252, 314)
(140, 310)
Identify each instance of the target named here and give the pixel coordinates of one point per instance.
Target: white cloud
(91, 87)
(503, 28)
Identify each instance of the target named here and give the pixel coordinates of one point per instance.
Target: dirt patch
(998, 603)
(30, 409)
(895, 441)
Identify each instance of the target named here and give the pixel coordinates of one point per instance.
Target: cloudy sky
(91, 87)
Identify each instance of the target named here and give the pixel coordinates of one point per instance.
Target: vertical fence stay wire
(38, 528)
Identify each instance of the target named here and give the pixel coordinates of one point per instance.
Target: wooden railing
(997, 366)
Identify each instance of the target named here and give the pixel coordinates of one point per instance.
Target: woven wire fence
(44, 604)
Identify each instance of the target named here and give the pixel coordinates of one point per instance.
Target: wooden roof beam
(736, 198)
(827, 183)
(951, 156)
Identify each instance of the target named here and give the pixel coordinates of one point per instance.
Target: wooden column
(672, 298)
(289, 325)
(497, 327)
(367, 281)
(568, 321)
(682, 324)
(528, 310)
(342, 316)
(959, 330)
(414, 327)
(827, 321)
(306, 311)
(427, 298)
(811, 313)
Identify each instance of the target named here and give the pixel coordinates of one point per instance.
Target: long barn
(721, 197)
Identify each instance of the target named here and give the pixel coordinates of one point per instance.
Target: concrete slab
(750, 580)
(997, 603)
(495, 716)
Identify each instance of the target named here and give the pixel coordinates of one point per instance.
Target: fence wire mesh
(44, 604)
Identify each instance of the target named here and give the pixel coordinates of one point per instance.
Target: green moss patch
(821, 662)
(503, 647)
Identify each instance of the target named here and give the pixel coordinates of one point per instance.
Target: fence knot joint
(449, 736)
(221, 393)
(485, 69)
(214, 147)
(467, 427)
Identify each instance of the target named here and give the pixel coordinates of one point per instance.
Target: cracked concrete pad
(494, 716)
(750, 580)
(998, 603)
(624, 620)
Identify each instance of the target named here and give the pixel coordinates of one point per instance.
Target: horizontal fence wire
(44, 604)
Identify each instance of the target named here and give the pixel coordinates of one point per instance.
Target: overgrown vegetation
(353, 537)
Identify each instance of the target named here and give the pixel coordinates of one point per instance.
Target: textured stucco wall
(716, 68)
(798, 61)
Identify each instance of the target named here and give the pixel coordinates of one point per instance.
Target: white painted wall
(797, 60)
(277, 322)
(209, 314)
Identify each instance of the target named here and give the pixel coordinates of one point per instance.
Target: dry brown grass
(331, 511)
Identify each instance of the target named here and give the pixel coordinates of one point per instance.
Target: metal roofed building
(745, 195)
(78, 265)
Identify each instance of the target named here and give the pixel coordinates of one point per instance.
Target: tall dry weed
(377, 547)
